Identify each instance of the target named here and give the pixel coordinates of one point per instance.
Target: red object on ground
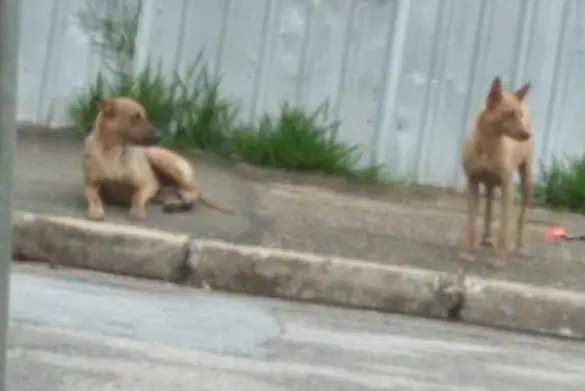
(556, 233)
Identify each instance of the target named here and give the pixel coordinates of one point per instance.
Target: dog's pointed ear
(107, 107)
(521, 92)
(495, 95)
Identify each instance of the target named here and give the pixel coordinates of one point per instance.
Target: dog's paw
(138, 213)
(96, 214)
(175, 207)
(171, 207)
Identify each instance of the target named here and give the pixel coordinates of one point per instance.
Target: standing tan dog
(499, 143)
(122, 166)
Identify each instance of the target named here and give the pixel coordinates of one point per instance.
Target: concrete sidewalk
(399, 227)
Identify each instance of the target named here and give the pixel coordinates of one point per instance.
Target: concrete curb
(149, 253)
(309, 277)
(111, 248)
(515, 306)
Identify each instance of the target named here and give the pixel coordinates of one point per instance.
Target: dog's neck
(489, 139)
(110, 145)
(112, 148)
(114, 151)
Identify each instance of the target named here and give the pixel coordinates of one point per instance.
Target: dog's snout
(518, 134)
(523, 135)
(154, 135)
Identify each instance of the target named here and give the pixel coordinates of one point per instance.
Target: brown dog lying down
(499, 143)
(121, 165)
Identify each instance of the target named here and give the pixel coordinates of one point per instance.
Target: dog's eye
(137, 117)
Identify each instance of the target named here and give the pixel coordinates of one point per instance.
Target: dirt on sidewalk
(414, 226)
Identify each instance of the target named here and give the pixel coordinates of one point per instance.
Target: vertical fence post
(391, 73)
(9, 49)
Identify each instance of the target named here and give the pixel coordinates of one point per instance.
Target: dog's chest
(117, 168)
(485, 165)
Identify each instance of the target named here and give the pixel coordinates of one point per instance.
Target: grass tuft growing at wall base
(193, 115)
(561, 186)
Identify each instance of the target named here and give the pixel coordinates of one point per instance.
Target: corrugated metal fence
(404, 76)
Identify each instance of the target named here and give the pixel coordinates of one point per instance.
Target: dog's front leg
(95, 206)
(140, 199)
(486, 239)
(472, 209)
(526, 180)
(507, 200)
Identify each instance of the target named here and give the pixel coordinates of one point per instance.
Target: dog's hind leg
(472, 210)
(189, 194)
(185, 200)
(165, 194)
(188, 198)
(486, 238)
(177, 176)
(185, 196)
(179, 173)
(507, 201)
(525, 171)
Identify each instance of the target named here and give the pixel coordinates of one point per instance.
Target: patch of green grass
(299, 141)
(562, 185)
(84, 107)
(194, 116)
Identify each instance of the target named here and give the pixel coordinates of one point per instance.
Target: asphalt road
(82, 331)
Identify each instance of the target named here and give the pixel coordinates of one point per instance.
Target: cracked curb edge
(303, 277)
(312, 278)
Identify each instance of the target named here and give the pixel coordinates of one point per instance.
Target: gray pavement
(276, 210)
(74, 331)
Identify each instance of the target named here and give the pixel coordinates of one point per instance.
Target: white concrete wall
(405, 76)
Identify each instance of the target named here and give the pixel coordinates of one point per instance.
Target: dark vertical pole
(9, 48)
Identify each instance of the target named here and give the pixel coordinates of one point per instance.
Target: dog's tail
(214, 205)
(175, 204)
